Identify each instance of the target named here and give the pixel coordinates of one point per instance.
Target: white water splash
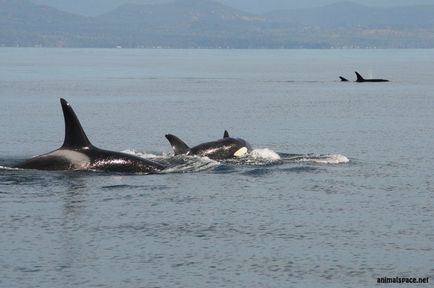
(177, 164)
(259, 157)
(192, 164)
(326, 159)
(264, 154)
(9, 168)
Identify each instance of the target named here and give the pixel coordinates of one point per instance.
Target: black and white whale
(224, 148)
(77, 153)
(361, 79)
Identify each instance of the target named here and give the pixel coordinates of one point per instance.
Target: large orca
(77, 153)
(224, 148)
(361, 79)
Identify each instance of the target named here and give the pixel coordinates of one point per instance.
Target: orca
(361, 79)
(343, 79)
(225, 148)
(77, 153)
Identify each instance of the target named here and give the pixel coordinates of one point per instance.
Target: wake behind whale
(259, 157)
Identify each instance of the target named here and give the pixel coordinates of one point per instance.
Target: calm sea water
(295, 213)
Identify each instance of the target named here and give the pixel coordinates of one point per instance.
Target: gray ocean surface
(338, 191)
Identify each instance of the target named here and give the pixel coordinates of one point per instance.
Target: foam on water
(9, 168)
(257, 157)
(184, 164)
(265, 154)
(177, 164)
(325, 159)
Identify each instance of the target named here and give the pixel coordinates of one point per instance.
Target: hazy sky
(94, 7)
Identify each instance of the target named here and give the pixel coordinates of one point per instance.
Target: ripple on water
(138, 187)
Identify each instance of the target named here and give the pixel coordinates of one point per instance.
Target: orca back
(75, 138)
(359, 78)
(178, 146)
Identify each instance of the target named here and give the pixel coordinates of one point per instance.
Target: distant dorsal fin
(74, 133)
(343, 79)
(178, 146)
(359, 77)
(226, 134)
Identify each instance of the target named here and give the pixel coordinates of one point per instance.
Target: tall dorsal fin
(226, 134)
(359, 77)
(179, 147)
(74, 133)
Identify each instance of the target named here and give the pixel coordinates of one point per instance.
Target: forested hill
(210, 24)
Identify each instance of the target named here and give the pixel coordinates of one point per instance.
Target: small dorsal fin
(343, 79)
(359, 77)
(226, 134)
(178, 146)
(74, 133)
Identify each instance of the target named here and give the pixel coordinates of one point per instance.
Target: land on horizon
(212, 24)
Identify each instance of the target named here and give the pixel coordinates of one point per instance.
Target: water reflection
(71, 237)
